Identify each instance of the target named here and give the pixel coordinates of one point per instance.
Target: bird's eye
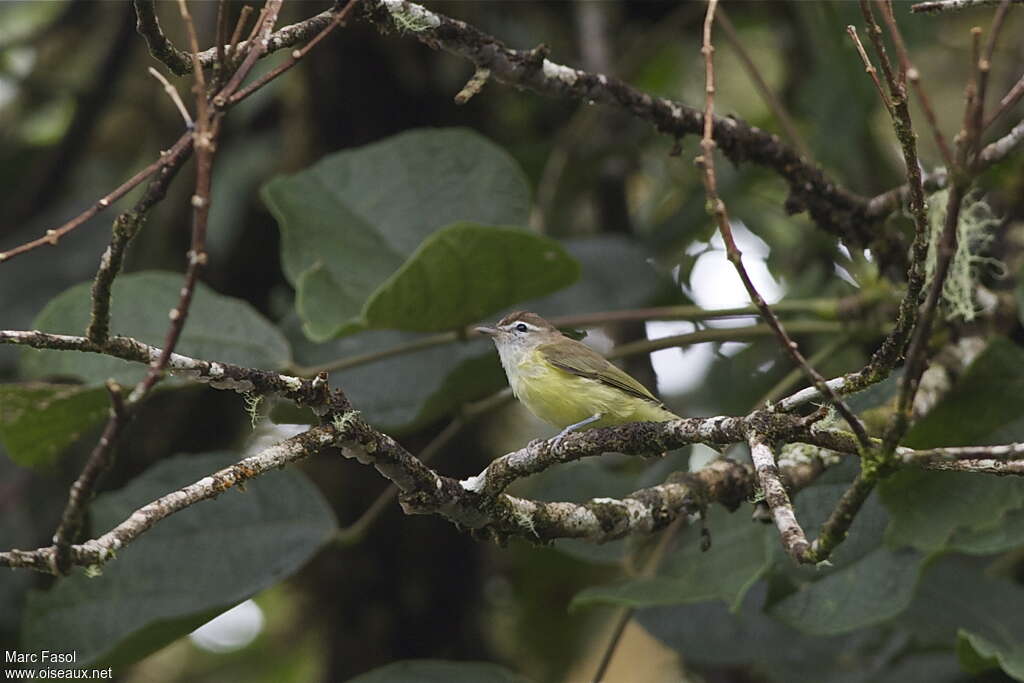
(521, 327)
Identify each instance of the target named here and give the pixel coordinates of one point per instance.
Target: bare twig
(1009, 100)
(52, 236)
(172, 92)
(220, 67)
(985, 466)
(773, 102)
(295, 56)
(830, 206)
(718, 210)
(869, 67)
(887, 355)
(125, 227)
(842, 309)
(1000, 149)
(984, 66)
(1010, 451)
(914, 76)
(473, 85)
(82, 490)
(243, 18)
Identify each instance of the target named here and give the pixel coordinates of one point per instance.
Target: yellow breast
(563, 399)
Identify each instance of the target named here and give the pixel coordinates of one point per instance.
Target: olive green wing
(579, 359)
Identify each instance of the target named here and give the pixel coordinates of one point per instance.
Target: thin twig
(846, 308)
(295, 56)
(888, 354)
(773, 102)
(52, 236)
(869, 67)
(718, 210)
(723, 334)
(474, 85)
(172, 92)
(124, 229)
(912, 74)
(874, 32)
(243, 18)
(82, 490)
(985, 65)
(221, 37)
(1009, 100)
(1000, 149)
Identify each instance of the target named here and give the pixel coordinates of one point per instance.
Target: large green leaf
(407, 391)
(464, 272)
(186, 569)
(218, 328)
(37, 421)
(976, 513)
(439, 671)
(868, 592)
(737, 558)
(351, 221)
(928, 508)
(709, 634)
(958, 604)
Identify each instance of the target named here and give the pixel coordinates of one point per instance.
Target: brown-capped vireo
(565, 382)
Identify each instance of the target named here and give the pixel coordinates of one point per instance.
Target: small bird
(565, 382)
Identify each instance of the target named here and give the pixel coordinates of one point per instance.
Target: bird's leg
(582, 423)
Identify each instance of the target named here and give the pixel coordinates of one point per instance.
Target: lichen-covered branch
(833, 208)
(794, 540)
(937, 6)
(180, 63)
(478, 503)
(996, 151)
(159, 44)
(314, 393)
(892, 348)
(103, 548)
(540, 455)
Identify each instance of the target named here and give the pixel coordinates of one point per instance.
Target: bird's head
(521, 331)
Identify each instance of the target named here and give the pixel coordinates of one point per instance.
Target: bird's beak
(489, 331)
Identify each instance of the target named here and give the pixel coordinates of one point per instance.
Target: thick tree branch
(794, 540)
(309, 392)
(938, 6)
(477, 503)
(103, 548)
(148, 26)
(833, 208)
